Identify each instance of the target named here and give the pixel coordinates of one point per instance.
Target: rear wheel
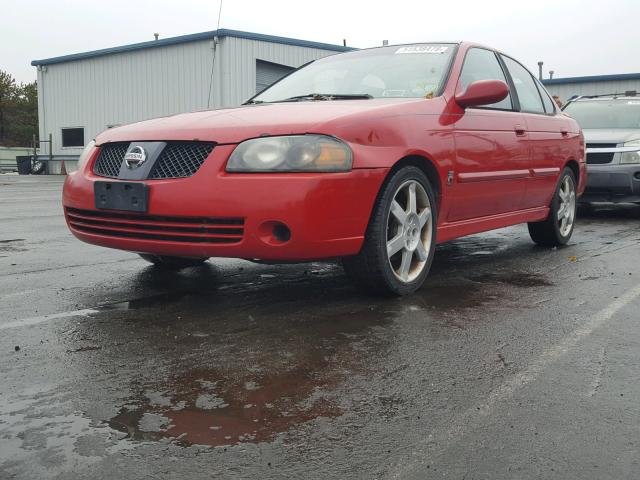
(172, 263)
(556, 230)
(400, 241)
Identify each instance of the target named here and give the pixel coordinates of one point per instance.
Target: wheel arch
(575, 168)
(424, 164)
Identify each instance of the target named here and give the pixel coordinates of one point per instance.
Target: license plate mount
(126, 196)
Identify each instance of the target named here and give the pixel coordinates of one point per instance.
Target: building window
(73, 137)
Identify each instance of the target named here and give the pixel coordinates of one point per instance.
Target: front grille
(181, 159)
(599, 158)
(602, 145)
(177, 159)
(110, 159)
(153, 227)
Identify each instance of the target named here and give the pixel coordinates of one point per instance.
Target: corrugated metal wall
(239, 65)
(268, 73)
(567, 90)
(121, 88)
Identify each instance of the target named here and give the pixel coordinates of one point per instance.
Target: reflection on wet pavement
(287, 371)
(208, 408)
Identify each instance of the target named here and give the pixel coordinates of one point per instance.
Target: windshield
(609, 113)
(410, 71)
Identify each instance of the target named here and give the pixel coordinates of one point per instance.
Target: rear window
(609, 113)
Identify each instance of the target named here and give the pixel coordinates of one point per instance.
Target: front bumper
(615, 182)
(326, 214)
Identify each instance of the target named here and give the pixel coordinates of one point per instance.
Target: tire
(557, 229)
(172, 263)
(403, 228)
(37, 167)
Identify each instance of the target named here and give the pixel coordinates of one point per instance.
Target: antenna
(213, 58)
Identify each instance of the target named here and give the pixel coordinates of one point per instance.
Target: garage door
(268, 73)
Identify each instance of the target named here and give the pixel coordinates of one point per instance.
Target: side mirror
(483, 92)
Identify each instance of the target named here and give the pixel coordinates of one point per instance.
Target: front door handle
(520, 130)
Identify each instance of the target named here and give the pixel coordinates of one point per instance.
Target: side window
(481, 64)
(526, 89)
(549, 105)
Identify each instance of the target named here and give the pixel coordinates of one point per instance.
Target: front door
(492, 155)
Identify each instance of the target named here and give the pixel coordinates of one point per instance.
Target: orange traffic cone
(63, 169)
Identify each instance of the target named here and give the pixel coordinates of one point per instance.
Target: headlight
(294, 153)
(631, 157)
(86, 153)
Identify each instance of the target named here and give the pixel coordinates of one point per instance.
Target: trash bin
(24, 164)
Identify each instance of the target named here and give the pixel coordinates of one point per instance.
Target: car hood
(233, 125)
(610, 135)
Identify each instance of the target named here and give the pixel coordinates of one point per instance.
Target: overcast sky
(572, 37)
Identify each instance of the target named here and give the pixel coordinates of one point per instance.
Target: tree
(18, 111)
(7, 96)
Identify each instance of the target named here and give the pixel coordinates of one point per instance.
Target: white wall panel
(127, 87)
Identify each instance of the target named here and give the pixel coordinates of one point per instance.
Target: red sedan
(372, 156)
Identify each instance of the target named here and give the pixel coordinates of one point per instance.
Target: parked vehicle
(611, 125)
(372, 156)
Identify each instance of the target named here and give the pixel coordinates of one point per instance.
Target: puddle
(153, 301)
(446, 297)
(13, 245)
(210, 408)
(262, 385)
(517, 279)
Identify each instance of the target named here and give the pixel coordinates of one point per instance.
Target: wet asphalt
(513, 362)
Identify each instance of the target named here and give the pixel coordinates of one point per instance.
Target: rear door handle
(564, 133)
(520, 130)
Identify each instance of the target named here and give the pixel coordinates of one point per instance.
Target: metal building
(566, 88)
(82, 94)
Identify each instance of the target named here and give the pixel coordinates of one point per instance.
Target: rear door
(546, 131)
(491, 164)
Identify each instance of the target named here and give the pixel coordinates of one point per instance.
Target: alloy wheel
(567, 207)
(409, 231)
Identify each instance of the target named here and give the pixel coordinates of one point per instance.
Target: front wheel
(172, 263)
(556, 230)
(400, 240)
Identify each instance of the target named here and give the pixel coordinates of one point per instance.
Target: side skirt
(450, 230)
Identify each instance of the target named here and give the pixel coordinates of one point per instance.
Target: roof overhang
(194, 37)
(592, 78)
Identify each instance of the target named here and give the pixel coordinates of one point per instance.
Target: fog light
(274, 233)
(281, 232)
(637, 175)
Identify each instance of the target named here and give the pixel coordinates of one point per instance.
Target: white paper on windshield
(421, 49)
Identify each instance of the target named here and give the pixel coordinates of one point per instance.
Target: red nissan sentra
(372, 156)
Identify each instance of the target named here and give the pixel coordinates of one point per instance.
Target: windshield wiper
(327, 96)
